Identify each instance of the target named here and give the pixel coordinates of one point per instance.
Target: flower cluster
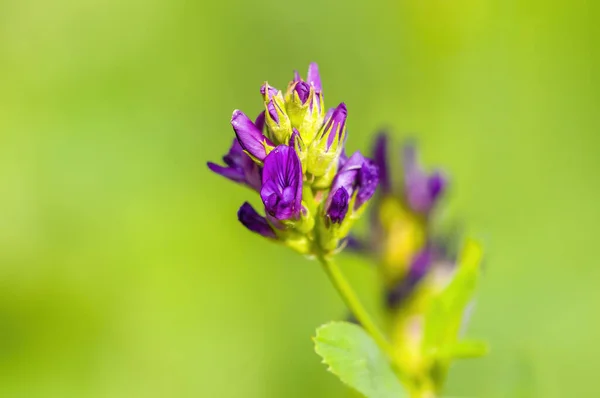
(293, 155)
(415, 264)
(401, 237)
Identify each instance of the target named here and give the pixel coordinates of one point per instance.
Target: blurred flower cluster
(416, 263)
(293, 155)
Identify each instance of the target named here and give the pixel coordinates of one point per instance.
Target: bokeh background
(123, 270)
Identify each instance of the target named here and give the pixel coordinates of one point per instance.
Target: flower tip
(313, 76)
(266, 89)
(212, 166)
(438, 183)
(236, 113)
(303, 91)
(254, 221)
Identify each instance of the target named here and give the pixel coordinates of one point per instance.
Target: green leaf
(445, 315)
(355, 359)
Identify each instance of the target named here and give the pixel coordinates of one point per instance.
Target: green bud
(305, 109)
(325, 150)
(299, 146)
(276, 118)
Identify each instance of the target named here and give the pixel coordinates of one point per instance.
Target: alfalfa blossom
(417, 265)
(292, 155)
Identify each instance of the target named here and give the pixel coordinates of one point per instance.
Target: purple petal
(260, 121)
(338, 207)
(240, 167)
(343, 159)
(368, 178)
(271, 107)
(295, 136)
(303, 91)
(358, 174)
(235, 154)
(336, 124)
(297, 77)
(313, 77)
(252, 172)
(380, 158)
(328, 115)
(248, 135)
(297, 143)
(422, 191)
(236, 175)
(346, 176)
(437, 184)
(254, 221)
(281, 190)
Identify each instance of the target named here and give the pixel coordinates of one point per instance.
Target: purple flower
(249, 135)
(339, 206)
(240, 167)
(420, 265)
(281, 190)
(358, 176)
(422, 190)
(254, 221)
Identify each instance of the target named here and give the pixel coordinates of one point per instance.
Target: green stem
(351, 299)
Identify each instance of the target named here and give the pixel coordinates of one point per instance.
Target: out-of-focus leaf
(464, 349)
(444, 318)
(355, 359)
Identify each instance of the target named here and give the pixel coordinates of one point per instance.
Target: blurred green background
(123, 270)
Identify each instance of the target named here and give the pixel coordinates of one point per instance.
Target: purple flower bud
(339, 206)
(380, 158)
(281, 190)
(358, 176)
(254, 221)
(335, 126)
(303, 91)
(240, 168)
(271, 90)
(420, 265)
(313, 78)
(249, 136)
(422, 190)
